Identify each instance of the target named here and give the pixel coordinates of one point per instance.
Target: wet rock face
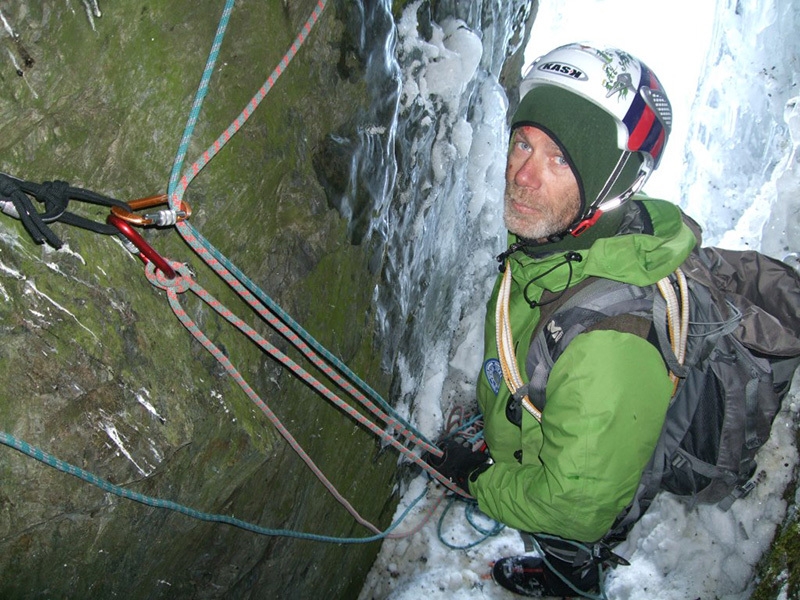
(95, 367)
(98, 371)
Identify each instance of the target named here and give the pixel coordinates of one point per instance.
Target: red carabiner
(146, 251)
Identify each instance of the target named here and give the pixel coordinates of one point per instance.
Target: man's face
(542, 196)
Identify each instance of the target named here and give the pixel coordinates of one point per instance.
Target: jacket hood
(651, 242)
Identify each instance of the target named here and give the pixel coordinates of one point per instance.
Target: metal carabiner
(146, 251)
(161, 218)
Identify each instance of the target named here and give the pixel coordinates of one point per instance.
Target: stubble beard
(550, 218)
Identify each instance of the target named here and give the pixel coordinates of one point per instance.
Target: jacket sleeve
(606, 399)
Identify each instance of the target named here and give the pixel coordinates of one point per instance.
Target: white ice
(731, 72)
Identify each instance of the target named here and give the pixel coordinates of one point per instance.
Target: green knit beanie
(587, 135)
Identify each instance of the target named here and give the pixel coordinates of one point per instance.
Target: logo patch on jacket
(494, 374)
(554, 333)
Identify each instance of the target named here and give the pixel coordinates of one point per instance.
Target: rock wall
(95, 367)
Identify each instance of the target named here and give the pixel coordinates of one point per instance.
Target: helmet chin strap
(599, 207)
(584, 224)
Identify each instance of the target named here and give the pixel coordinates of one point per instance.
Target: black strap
(574, 553)
(55, 195)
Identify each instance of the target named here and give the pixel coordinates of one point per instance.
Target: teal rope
(177, 186)
(469, 509)
(200, 95)
(467, 425)
(304, 335)
(65, 467)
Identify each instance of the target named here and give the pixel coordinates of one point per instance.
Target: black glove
(458, 460)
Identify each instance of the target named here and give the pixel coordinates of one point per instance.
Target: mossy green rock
(97, 370)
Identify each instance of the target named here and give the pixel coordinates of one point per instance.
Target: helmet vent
(658, 102)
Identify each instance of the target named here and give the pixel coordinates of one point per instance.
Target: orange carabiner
(162, 218)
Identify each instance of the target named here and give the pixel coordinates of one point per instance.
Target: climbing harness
(175, 278)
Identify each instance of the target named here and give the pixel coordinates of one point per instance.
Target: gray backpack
(743, 348)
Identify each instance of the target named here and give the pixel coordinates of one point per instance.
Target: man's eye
(560, 160)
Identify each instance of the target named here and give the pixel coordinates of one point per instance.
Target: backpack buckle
(740, 491)
(743, 490)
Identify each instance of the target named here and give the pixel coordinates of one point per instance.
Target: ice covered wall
(444, 224)
(740, 128)
(781, 233)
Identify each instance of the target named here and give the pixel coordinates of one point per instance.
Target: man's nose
(529, 173)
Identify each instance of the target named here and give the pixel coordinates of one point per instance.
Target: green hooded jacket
(573, 473)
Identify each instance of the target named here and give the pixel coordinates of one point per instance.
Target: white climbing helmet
(607, 111)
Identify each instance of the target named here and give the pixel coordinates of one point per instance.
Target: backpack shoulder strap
(601, 299)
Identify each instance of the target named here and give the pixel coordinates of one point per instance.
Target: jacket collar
(649, 242)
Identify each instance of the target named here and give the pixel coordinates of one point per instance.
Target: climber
(590, 128)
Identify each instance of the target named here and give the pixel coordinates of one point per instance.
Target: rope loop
(179, 284)
(176, 278)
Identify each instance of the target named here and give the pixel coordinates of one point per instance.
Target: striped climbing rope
(244, 286)
(268, 310)
(273, 315)
(183, 282)
(236, 280)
